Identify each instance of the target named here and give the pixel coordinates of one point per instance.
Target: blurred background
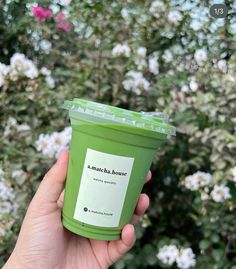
(170, 56)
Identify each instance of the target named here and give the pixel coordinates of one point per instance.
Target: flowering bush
(141, 55)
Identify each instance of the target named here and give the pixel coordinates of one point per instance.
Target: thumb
(53, 182)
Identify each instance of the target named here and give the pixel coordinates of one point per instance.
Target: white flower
(51, 145)
(45, 45)
(50, 81)
(6, 192)
(134, 74)
(197, 180)
(65, 2)
(234, 173)
(168, 254)
(141, 63)
(12, 124)
(171, 73)
(4, 69)
(128, 84)
(193, 85)
(184, 88)
(141, 84)
(204, 196)
(48, 78)
(135, 82)
(54, 7)
(23, 127)
(186, 259)
(157, 8)
(18, 62)
(153, 65)
(174, 17)
(32, 71)
(45, 71)
(205, 179)
(44, 145)
(23, 66)
(191, 183)
(66, 133)
(7, 197)
(141, 51)
(220, 193)
(145, 222)
(121, 50)
(167, 56)
(222, 65)
(11, 121)
(58, 142)
(17, 173)
(61, 140)
(200, 56)
(125, 13)
(7, 131)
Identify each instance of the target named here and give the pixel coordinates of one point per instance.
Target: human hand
(43, 242)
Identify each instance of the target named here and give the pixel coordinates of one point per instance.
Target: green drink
(111, 152)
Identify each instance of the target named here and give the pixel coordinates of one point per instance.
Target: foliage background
(83, 66)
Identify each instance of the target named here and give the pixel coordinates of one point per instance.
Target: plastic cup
(111, 152)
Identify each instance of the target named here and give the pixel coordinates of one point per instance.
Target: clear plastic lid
(153, 121)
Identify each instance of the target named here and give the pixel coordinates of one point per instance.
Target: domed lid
(153, 121)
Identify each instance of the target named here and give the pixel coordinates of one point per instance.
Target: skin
(43, 242)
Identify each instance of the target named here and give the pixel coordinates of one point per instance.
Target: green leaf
(218, 254)
(204, 244)
(215, 238)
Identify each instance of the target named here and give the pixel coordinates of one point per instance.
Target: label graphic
(103, 187)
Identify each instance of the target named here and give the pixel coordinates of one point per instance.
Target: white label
(103, 188)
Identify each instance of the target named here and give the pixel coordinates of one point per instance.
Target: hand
(43, 242)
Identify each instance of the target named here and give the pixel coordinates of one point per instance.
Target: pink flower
(41, 14)
(65, 26)
(47, 13)
(60, 17)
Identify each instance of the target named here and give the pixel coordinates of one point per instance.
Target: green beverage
(111, 152)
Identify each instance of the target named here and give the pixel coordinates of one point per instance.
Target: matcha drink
(111, 152)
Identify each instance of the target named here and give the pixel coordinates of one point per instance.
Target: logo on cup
(218, 11)
(85, 209)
